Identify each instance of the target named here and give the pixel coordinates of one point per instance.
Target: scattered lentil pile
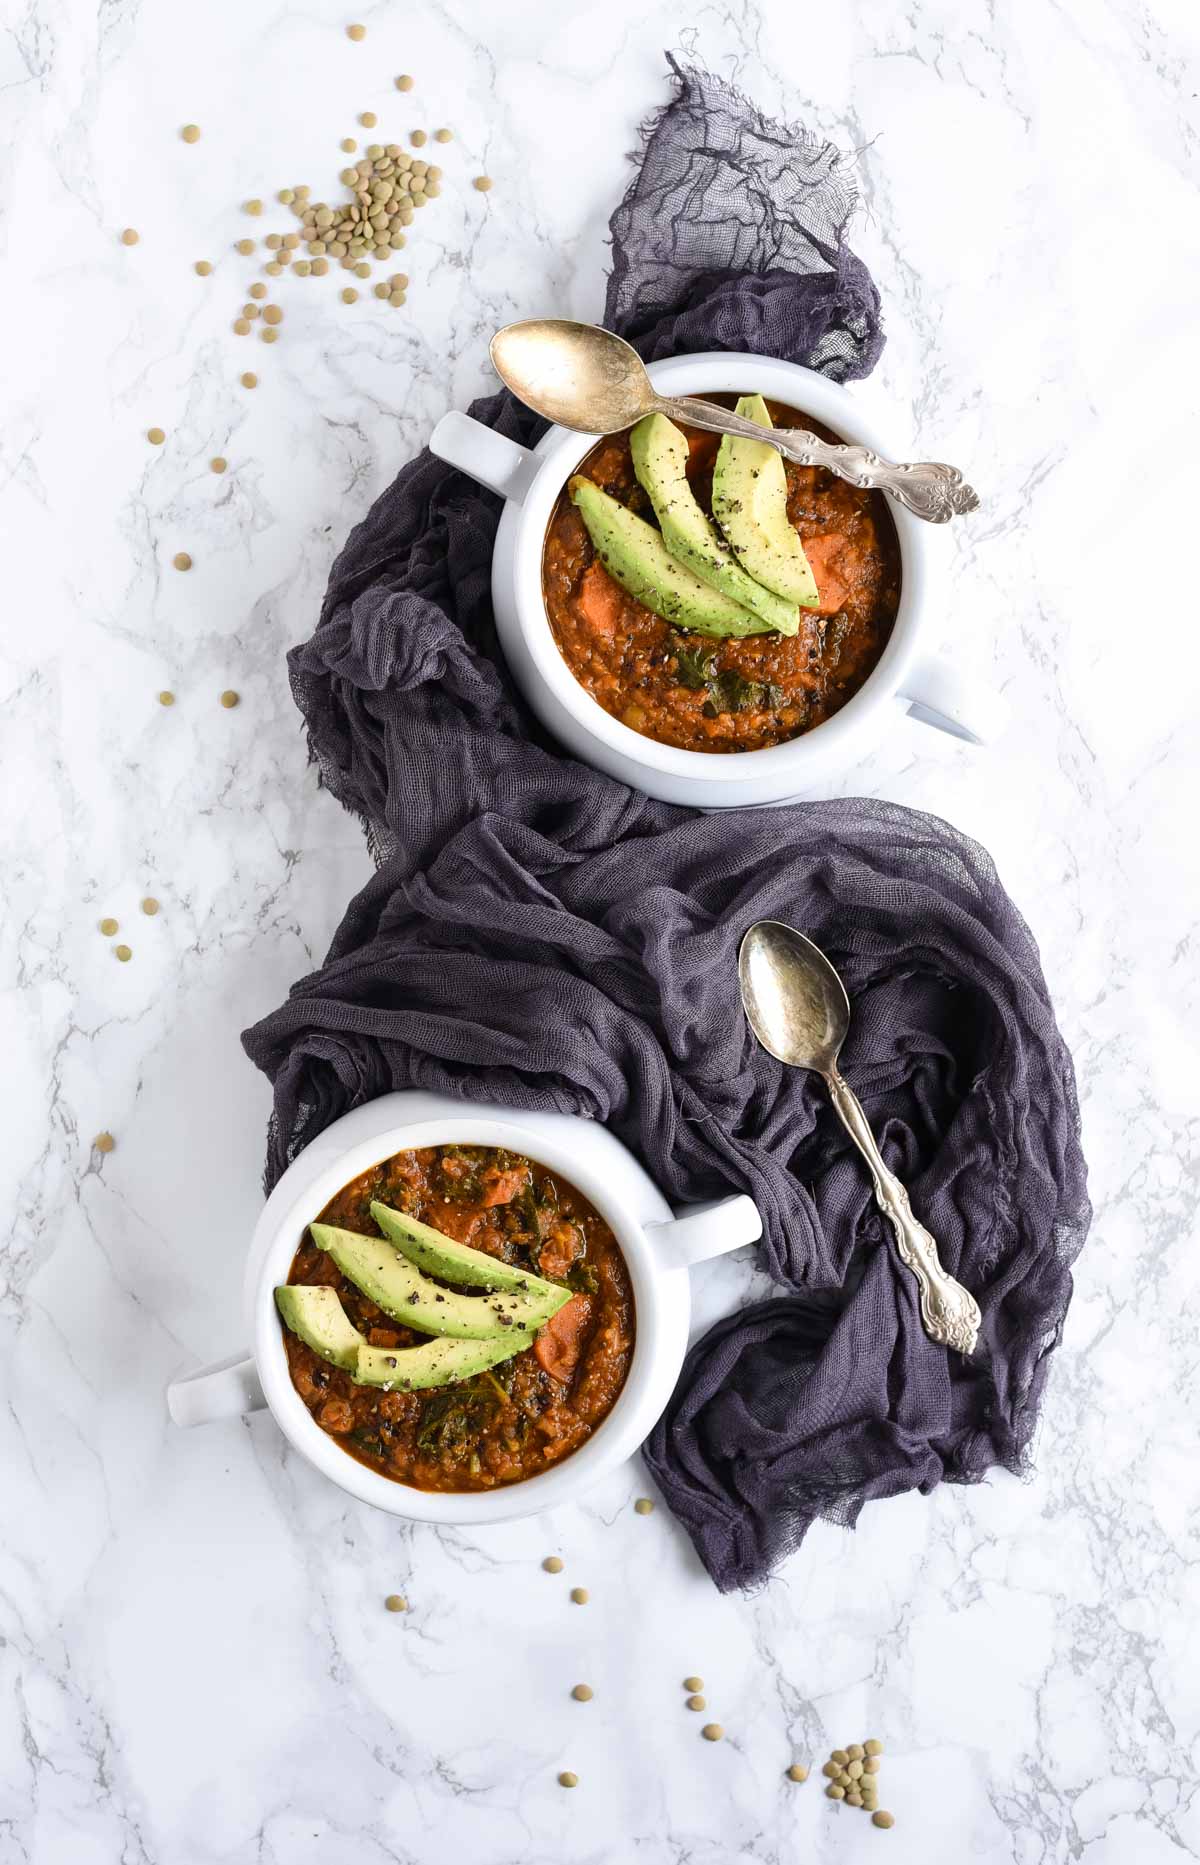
(852, 1773)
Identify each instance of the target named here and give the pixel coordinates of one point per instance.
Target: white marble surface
(195, 1664)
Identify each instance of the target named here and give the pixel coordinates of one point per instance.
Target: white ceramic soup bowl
(907, 677)
(657, 1244)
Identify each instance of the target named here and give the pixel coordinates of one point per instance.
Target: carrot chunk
(823, 552)
(599, 601)
(560, 1343)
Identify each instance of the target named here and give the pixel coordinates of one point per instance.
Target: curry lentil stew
(737, 694)
(516, 1419)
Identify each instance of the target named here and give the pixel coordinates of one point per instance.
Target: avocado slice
(316, 1316)
(750, 504)
(660, 456)
(634, 554)
(377, 1268)
(453, 1261)
(436, 1363)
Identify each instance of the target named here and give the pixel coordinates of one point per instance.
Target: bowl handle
(495, 462)
(703, 1230)
(938, 694)
(226, 1390)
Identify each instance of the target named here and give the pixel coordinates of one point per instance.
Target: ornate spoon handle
(926, 487)
(949, 1312)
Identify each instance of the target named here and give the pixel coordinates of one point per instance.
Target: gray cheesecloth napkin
(541, 935)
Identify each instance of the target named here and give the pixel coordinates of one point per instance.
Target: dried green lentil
(109, 927)
(166, 699)
(854, 1769)
(203, 267)
(797, 1772)
(482, 183)
(246, 246)
(253, 207)
(693, 1683)
(855, 1752)
(362, 269)
(644, 1504)
(349, 295)
(181, 560)
(273, 267)
(230, 699)
(871, 1765)
(241, 326)
(854, 1798)
(418, 139)
(130, 236)
(443, 135)
(124, 953)
(580, 1596)
(567, 1779)
(834, 1792)
(712, 1732)
(552, 1564)
(872, 1747)
(273, 314)
(104, 1142)
(368, 119)
(149, 906)
(217, 464)
(583, 1693)
(404, 82)
(356, 33)
(286, 196)
(190, 132)
(883, 1818)
(396, 1602)
(831, 1770)
(269, 335)
(251, 310)
(840, 1756)
(697, 1703)
(320, 267)
(155, 436)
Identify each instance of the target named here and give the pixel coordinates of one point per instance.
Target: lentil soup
(687, 689)
(516, 1419)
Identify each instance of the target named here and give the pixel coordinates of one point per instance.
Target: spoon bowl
(794, 1000)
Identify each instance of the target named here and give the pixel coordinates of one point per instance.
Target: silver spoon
(798, 1008)
(588, 379)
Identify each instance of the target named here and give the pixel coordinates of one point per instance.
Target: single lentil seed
(712, 1732)
(286, 196)
(130, 237)
(854, 1769)
(797, 1772)
(155, 436)
(697, 1703)
(362, 269)
(834, 1792)
(274, 241)
(108, 927)
(273, 314)
(583, 1693)
(567, 1779)
(443, 135)
(693, 1683)
(854, 1798)
(247, 246)
(356, 32)
(404, 82)
(254, 207)
(883, 1818)
(302, 268)
(840, 1756)
(229, 699)
(349, 295)
(320, 267)
(242, 326)
(396, 1602)
(181, 560)
(203, 267)
(166, 699)
(349, 176)
(831, 1770)
(217, 464)
(843, 1779)
(368, 119)
(251, 311)
(104, 1142)
(290, 242)
(871, 1765)
(418, 139)
(644, 1505)
(482, 183)
(269, 335)
(856, 1751)
(552, 1564)
(190, 132)
(249, 380)
(381, 291)
(579, 1595)
(149, 906)
(873, 1747)
(124, 953)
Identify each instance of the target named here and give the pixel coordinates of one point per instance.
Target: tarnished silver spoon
(588, 379)
(798, 1008)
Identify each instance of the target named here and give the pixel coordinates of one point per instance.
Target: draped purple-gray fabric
(539, 934)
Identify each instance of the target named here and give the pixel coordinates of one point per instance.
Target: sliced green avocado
(750, 504)
(437, 1363)
(316, 1316)
(634, 554)
(660, 456)
(377, 1268)
(453, 1261)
